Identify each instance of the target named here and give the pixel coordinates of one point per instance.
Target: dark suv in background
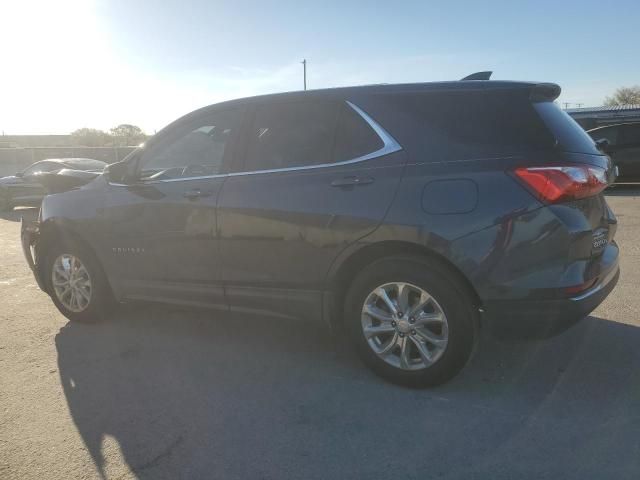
(405, 215)
(28, 187)
(623, 146)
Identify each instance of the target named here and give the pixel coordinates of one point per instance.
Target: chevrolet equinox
(409, 216)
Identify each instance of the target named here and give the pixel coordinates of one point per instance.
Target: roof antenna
(478, 76)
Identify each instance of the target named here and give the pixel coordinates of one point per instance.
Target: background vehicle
(27, 189)
(405, 215)
(623, 148)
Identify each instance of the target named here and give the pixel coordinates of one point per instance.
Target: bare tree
(624, 96)
(126, 134)
(90, 137)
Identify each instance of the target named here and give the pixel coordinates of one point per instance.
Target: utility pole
(579, 105)
(566, 105)
(304, 71)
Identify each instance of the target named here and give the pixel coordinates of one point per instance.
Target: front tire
(411, 321)
(77, 284)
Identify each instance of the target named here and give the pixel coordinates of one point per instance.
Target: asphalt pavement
(171, 393)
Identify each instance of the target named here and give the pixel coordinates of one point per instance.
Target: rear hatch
(571, 179)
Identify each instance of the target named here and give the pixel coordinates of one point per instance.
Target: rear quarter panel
(510, 245)
(472, 227)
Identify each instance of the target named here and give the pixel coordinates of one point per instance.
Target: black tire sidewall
(101, 301)
(444, 288)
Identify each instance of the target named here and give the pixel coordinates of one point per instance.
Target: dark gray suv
(623, 147)
(407, 215)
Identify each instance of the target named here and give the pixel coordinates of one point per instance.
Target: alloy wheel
(404, 326)
(71, 282)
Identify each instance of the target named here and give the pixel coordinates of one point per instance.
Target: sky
(67, 64)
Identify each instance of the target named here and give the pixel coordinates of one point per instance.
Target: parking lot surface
(171, 393)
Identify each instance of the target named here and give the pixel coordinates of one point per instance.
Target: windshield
(41, 167)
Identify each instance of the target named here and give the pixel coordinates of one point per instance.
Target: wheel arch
(60, 231)
(344, 274)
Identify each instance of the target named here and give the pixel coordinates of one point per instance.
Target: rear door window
(291, 134)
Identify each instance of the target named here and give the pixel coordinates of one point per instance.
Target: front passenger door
(163, 237)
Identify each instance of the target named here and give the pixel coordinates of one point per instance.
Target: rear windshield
(570, 136)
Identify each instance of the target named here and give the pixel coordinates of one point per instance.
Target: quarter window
(354, 137)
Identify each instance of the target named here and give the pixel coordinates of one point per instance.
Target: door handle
(351, 181)
(195, 194)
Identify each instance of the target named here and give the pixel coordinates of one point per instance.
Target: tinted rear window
(571, 137)
(458, 125)
(291, 134)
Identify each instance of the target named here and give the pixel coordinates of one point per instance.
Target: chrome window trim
(389, 145)
(181, 179)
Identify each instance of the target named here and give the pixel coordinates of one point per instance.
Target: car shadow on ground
(212, 395)
(15, 215)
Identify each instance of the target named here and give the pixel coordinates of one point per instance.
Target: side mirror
(120, 172)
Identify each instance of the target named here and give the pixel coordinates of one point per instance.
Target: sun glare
(59, 59)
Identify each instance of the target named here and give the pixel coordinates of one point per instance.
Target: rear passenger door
(315, 176)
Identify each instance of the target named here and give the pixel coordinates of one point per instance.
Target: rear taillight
(555, 184)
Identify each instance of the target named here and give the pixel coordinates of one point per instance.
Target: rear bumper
(543, 318)
(29, 235)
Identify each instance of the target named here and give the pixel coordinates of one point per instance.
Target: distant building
(593, 117)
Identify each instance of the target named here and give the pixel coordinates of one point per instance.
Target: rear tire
(433, 342)
(76, 283)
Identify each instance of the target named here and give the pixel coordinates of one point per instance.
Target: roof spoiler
(545, 92)
(477, 76)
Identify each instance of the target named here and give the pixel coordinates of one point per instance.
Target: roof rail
(477, 76)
